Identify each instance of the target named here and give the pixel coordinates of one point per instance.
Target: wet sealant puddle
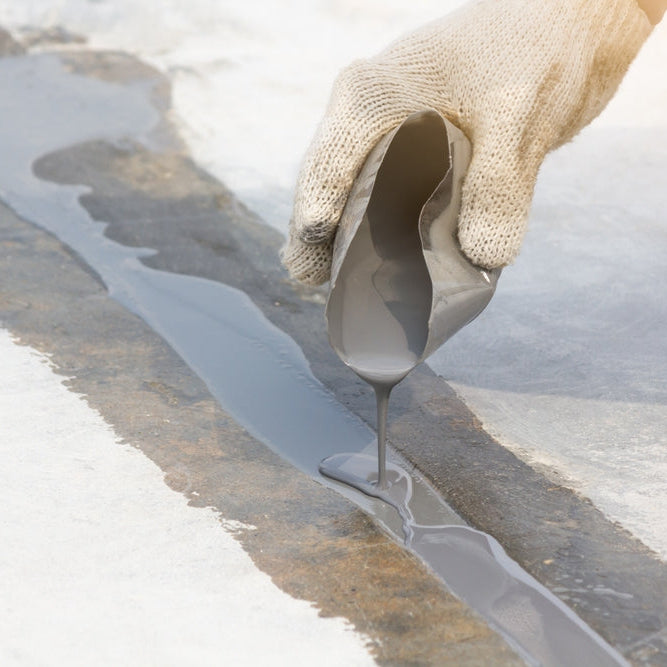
(257, 372)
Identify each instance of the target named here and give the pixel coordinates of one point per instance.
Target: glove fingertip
(307, 263)
(491, 245)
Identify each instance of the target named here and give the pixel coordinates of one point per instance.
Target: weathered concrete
(314, 544)
(163, 201)
(557, 536)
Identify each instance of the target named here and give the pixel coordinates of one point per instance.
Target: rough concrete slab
(315, 545)
(609, 578)
(560, 538)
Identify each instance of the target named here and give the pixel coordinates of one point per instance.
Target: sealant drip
(382, 393)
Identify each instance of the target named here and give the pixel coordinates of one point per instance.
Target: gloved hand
(519, 77)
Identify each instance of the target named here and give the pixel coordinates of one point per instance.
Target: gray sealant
(257, 373)
(379, 307)
(379, 316)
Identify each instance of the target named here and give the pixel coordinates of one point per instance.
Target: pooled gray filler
(249, 365)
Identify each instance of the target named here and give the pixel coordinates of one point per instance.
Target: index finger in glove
(358, 115)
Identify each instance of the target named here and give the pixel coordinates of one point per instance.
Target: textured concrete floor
(58, 306)
(314, 545)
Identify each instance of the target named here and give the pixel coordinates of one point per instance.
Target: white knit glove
(519, 77)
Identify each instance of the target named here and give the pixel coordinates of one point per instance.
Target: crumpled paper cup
(400, 284)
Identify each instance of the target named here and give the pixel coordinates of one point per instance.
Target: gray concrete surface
(314, 544)
(145, 195)
(571, 356)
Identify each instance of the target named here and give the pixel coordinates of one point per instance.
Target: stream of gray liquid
(257, 372)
